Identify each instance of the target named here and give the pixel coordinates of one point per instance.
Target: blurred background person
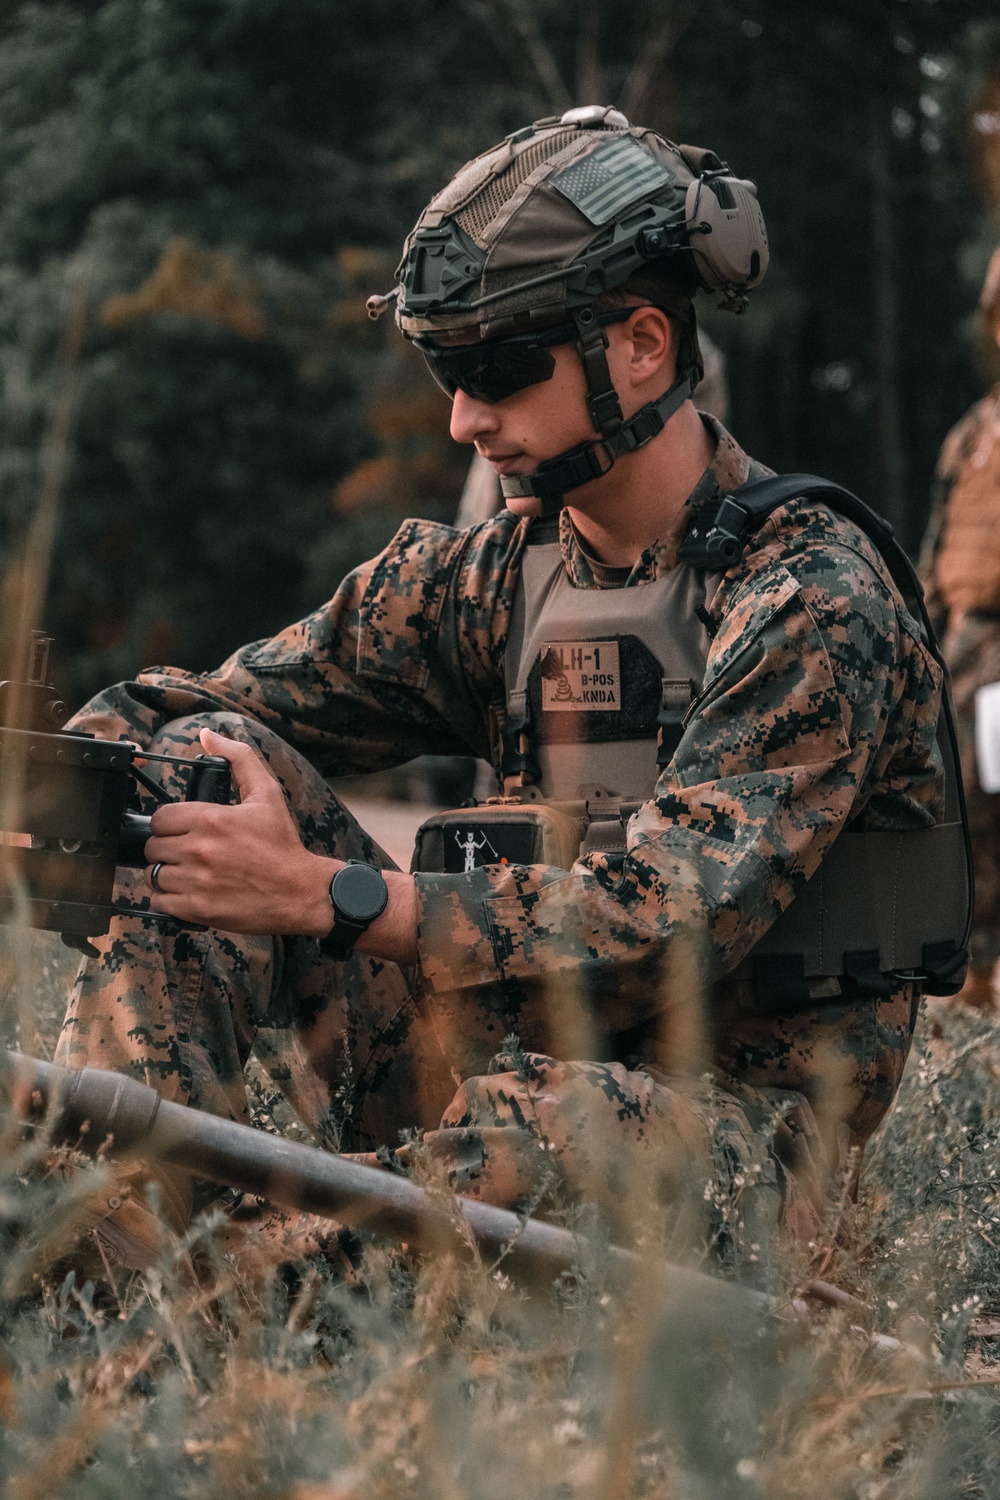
(961, 566)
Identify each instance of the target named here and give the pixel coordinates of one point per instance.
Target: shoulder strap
(720, 539)
(717, 540)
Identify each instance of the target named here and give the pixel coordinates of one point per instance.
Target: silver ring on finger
(154, 877)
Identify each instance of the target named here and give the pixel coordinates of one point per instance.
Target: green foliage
(387, 1377)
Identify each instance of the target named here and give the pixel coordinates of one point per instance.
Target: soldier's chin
(523, 505)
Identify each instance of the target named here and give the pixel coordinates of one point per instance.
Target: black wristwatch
(358, 895)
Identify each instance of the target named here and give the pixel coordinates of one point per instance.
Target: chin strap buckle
(649, 420)
(552, 479)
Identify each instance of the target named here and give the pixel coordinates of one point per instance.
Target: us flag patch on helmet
(612, 177)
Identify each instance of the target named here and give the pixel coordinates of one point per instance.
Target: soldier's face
(517, 434)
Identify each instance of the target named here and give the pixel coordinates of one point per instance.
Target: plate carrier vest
(600, 684)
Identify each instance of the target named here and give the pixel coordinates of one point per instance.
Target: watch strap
(339, 942)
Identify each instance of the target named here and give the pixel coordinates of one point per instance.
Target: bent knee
(182, 735)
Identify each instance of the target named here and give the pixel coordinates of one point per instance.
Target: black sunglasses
(496, 369)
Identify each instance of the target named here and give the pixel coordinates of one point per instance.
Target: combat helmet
(511, 257)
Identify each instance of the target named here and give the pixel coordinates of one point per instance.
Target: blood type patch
(581, 675)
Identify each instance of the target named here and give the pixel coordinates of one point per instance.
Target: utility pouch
(500, 833)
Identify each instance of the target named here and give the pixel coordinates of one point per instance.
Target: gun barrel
(96, 1109)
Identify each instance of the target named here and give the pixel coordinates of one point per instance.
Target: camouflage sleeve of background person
(955, 450)
(819, 702)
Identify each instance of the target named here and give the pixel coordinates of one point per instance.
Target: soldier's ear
(653, 337)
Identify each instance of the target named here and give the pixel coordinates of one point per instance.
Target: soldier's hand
(245, 868)
(242, 868)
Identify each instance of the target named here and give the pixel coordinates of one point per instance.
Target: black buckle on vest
(516, 757)
(677, 697)
(780, 982)
(944, 966)
(862, 977)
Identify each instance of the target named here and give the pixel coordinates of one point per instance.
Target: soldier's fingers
(173, 906)
(169, 850)
(252, 774)
(173, 818)
(161, 878)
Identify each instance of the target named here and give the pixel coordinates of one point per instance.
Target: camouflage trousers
(353, 1047)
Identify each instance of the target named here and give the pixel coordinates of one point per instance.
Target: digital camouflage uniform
(819, 706)
(961, 568)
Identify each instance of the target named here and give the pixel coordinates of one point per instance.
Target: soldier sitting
(757, 719)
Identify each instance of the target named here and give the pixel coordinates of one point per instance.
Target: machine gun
(70, 808)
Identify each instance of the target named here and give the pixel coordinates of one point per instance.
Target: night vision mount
(70, 809)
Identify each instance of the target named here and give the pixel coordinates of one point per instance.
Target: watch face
(359, 893)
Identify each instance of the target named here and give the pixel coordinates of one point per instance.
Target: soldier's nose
(471, 419)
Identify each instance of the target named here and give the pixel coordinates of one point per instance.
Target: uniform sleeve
(818, 700)
(402, 661)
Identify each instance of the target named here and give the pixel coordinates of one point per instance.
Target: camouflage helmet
(565, 210)
(537, 229)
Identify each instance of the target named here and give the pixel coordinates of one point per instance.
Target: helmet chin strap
(567, 471)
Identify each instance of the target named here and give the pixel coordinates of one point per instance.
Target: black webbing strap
(780, 983)
(602, 398)
(651, 419)
(517, 758)
(676, 697)
(717, 540)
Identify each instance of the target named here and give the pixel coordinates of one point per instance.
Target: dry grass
(445, 1381)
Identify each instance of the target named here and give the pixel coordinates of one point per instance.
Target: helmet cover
(566, 210)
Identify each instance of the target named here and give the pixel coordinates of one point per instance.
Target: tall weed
(442, 1379)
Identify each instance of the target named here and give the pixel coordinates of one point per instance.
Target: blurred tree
(231, 176)
(199, 164)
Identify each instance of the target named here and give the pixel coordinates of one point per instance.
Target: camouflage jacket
(819, 705)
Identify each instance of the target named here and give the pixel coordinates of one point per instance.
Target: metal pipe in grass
(97, 1110)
